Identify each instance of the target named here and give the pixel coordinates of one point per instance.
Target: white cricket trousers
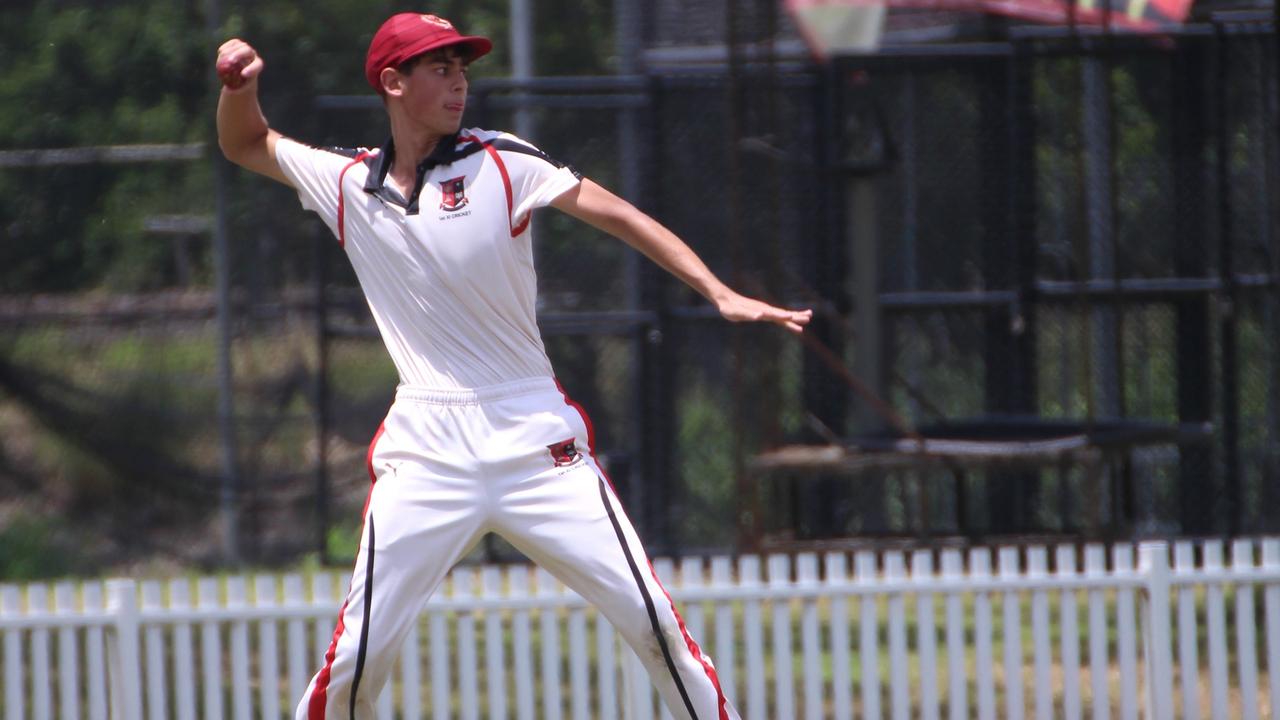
(514, 459)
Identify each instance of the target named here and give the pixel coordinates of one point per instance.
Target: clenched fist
(238, 64)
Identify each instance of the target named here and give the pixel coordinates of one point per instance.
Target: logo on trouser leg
(564, 452)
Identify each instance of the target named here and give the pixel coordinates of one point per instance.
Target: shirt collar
(445, 152)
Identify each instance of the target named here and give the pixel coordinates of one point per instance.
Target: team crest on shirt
(564, 452)
(453, 194)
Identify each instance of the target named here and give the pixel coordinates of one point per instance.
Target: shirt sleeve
(315, 174)
(536, 179)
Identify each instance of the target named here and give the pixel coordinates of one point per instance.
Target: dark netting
(1054, 228)
(1040, 236)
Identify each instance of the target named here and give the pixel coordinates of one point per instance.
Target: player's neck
(413, 144)
(411, 151)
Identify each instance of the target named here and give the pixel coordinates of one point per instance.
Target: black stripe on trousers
(648, 601)
(364, 626)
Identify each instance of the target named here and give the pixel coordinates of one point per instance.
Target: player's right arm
(243, 133)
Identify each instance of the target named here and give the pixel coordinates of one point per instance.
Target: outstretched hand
(739, 308)
(238, 64)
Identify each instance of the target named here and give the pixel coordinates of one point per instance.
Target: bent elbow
(242, 151)
(228, 150)
(232, 150)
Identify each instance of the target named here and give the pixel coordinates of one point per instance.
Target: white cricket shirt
(448, 273)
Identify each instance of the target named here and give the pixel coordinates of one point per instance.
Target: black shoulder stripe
(465, 150)
(513, 146)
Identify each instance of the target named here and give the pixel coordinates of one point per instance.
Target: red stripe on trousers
(689, 642)
(694, 649)
(591, 434)
(320, 693)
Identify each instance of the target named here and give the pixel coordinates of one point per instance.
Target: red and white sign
(833, 27)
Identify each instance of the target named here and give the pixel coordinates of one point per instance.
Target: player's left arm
(596, 206)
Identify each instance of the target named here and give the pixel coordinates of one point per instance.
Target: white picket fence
(1007, 633)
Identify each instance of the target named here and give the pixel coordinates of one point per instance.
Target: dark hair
(445, 53)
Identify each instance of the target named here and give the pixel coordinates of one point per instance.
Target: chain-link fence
(1046, 218)
(1074, 231)
(1052, 233)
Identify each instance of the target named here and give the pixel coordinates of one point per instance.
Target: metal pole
(522, 60)
(735, 116)
(1099, 227)
(1271, 306)
(645, 338)
(1227, 303)
(910, 220)
(321, 389)
(229, 488)
(1198, 476)
(864, 244)
(627, 42)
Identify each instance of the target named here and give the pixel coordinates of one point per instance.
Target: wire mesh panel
(1067, 228)
(1063, 227)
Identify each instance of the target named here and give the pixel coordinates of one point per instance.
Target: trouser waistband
(478, 395)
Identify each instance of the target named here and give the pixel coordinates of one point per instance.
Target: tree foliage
(88, 73)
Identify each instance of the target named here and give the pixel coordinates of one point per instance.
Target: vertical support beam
(229, 491)
(1227, 301)
(909, 242)
(1009, 252)
(627, 44)
(651, 491)
(862, 229)
(823, 266)
(1099, 202)
(1198, 482)
(320, 389)
(825, 397)
(764, 196)
(735, 119)
(1270, 90)
(863, 154)
(522, 52)
(229, 488)
(997, 250)
(1271, 305)
(1022, 200)
(1022, 209)
(639, 277)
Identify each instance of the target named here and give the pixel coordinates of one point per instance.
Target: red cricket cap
(405, 35)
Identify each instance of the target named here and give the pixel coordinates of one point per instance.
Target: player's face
(435, 91)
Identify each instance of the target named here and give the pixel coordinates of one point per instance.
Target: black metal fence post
(320, 388)
(1227, 328)
(1008, 175)
(650, 494)
(1193, 355)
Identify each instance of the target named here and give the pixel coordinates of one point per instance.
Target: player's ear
(392, 82)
